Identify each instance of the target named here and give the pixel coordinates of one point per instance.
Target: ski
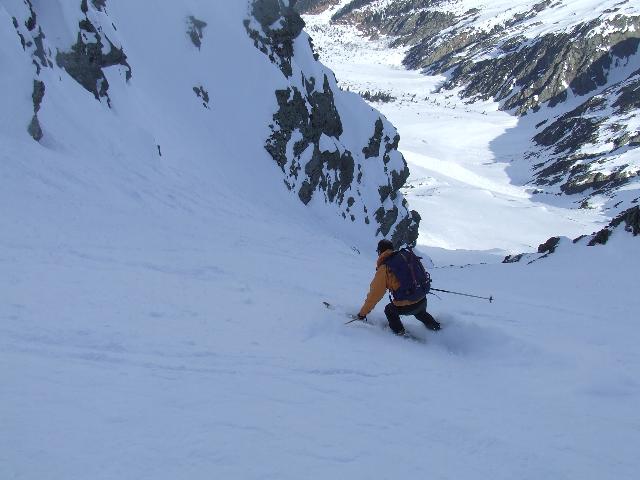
(384, 327)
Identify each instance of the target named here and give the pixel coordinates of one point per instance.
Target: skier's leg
(429, 322)
(391, 311)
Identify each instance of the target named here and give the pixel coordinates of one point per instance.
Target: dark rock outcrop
(99, 5)
(513, 258)
(631, 220)
(549, 246)
(314, 6)
(279, 24)
(86, 60)
(373, 149)
(410, 21)
(202, 94)
(195, 30)
(377, 97)
(311, 116)
(34, 129)
(32, 39)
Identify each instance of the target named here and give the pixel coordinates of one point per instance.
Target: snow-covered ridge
(627, 222)
(64, 49)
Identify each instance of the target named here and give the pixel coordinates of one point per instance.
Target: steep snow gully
(161, 316)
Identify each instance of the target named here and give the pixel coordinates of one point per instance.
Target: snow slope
(161, 316)
(165, 351)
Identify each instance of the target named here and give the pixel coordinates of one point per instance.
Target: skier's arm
(376, 291)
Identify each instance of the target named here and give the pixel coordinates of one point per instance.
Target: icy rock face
(87, 58)
(319, 155)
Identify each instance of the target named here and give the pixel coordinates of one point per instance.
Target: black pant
(418, 310)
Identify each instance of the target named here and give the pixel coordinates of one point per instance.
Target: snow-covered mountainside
(161, 289)
(334, 151)
(572, 68)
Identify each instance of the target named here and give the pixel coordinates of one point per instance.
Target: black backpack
(415, 281)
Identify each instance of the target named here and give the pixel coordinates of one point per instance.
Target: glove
(362, 317)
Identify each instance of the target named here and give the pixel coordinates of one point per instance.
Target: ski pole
(464, 294)
(355, 318)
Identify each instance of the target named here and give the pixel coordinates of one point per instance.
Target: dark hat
(384, 245)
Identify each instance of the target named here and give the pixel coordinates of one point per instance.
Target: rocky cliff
(319, 153)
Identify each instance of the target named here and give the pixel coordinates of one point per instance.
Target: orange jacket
(383, 280)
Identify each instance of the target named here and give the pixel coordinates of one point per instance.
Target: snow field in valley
(458, 154)
(158, 324)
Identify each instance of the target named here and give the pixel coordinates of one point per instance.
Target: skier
(410, 296)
